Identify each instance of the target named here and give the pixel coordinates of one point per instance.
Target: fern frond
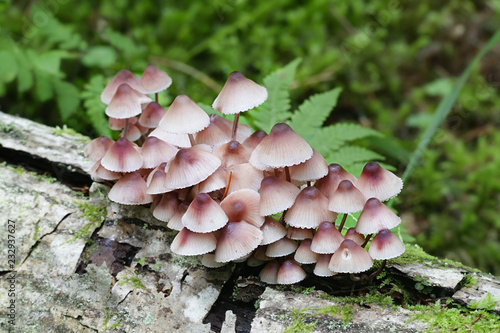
(352, 157)
(332, 137)
(277, 107)
(311, 114)
(94, 107)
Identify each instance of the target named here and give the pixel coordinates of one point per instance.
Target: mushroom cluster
(235, 195)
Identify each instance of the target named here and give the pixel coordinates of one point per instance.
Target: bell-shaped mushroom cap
(154, 80)
(312, 169)
(290, 273)
(304, 254)
(327, 239)
(133, 133)
(126, 102)
(232, 153)
(272, 231)
(376, 182)
(321, 267)
(179, 140)
(118, 124)
(156, 181)
(253, 140)
(156, 151)
(189, 167)
(260, 254)
(375, 217)
(130, 190)
(208, 260)
(212, 135)
(298, 233)
(309, 210)
(386, 245)
(175, 222)
(97, 148)
(239, 94)
(328, 184)
(166, 207)
(226, 125)
(350, 258)
(276, 195)
(189, 243)
(98, 173)
(282, 147)
(351, 233)
(269, 274)
(184, 116)
(214, 182)
(245, 176)
(281, 248)
(122, 157)
(123, 76)
(236, 240)
(346, 198)
(204, 215)
(151, 115)
(243, 205)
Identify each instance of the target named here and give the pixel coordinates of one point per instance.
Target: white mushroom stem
(125, 128)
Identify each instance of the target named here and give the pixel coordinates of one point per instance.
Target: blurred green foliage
(394, 60)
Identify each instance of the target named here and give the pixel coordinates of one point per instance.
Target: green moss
(61, 131)
(108, 315)
(442, 317)
(413, 254)
(305, 320)
(94, 214)
(134, 281)
(488, 302)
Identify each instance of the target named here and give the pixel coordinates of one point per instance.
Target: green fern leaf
(94, 107)
(311, 114)
(277, 107)
(349, 156)
(332, 137)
